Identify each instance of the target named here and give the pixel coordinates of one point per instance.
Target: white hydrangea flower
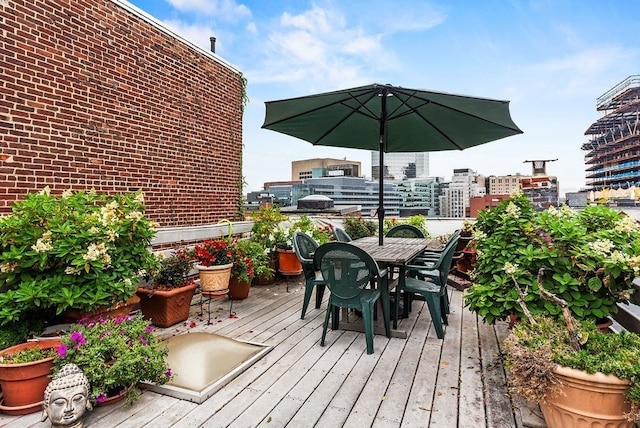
(135, 215)
(112, 235)
(516, 192)
(70, 270)
(513, 210)
(602, 246)
(46, 191)
(67, 193)
(567, 211)
(626, 224)
(510, 268)
(139, 198)
(127, 282)
(7, 267)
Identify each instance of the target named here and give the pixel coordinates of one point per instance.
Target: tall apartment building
(419, 196)
(400, 166)
(455, 199)
(324, 167)
(612, 160)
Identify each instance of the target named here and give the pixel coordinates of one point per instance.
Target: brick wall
(91, 95)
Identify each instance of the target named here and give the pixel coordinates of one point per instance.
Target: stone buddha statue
(67, 398)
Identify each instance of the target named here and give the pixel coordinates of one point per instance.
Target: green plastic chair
(404, 231)
(341, 235)
(348, 270)
(304, 247)
(429, 280)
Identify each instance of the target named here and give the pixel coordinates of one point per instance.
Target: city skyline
(551, 60)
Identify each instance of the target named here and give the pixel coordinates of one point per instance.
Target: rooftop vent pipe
(213, 44)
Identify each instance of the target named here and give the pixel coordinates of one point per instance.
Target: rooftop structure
(324, 167)
(613, 156)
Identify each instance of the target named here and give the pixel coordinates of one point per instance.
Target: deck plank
(420, 381)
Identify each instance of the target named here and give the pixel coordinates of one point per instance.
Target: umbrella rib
(352, 112)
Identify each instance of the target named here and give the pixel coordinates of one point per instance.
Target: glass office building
(400, 166)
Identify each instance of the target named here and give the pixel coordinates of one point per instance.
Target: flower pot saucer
(19, 410)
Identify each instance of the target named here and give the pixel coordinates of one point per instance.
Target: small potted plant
(115, 354)
(75, 250)
(288, 263)
(214, 258)
(166, 299)
(242, 272)
(25, 372)
(265, 223)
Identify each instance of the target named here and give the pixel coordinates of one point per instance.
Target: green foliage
(173, 271)
(77, 250)
(415, 220)
(115, 354)
(265, 222)
(284, 235)
(358, 227)
(17, 332)
(249, 260)
(28, 356)
(546, 343)
(590, 259)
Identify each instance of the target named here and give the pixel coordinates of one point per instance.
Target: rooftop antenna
(539, 166)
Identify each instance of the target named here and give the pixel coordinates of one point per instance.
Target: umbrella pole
(381, 197)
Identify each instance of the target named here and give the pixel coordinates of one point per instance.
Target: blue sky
(550, 58)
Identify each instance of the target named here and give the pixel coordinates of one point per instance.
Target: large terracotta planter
(23, 384)
(239, 290)
(587, 401)
(288, 263)
(215, 279)
(121, 309)
(166, 307)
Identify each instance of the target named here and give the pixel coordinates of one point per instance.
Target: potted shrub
(265, 223)
(242, 272)
(214, 258)
(115, 354)
(25, 371)
(81, 250)
(579, 375)
(590, 258)
(357, 227)
(166, 299)
(288, 263)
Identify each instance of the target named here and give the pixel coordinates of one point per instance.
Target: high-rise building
(465, 184)
(400, 166)
(613, 153)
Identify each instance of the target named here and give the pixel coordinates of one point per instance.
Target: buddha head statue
(66, 398)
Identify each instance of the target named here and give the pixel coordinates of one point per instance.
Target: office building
(400, 166)
(455, 199)
(612, 159)
(324, 167)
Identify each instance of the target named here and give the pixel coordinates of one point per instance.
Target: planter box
(166, 308)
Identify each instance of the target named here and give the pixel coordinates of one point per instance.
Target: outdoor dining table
(395, 251)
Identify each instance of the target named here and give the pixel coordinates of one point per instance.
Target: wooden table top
(394, 250)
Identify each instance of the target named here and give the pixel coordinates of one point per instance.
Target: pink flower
(62, 350)
(149, 329)
(101, 398)
(77, 337)
(168, 373)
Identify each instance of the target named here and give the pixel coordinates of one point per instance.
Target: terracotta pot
(166, 307)
(587, 400)
(121, 309)
(239, 290)
(215, 279)
(113, 399)
(288, 263)
(23, 384)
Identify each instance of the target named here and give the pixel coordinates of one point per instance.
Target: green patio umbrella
(391, 119)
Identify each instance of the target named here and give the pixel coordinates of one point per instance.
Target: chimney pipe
(213, 44)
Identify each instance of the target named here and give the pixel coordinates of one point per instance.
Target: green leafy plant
(173, 270)
(28, 356)
(358, 227)
(265, 223)
(250, 260)
(416, 220)
(17, 332)
(534, 350)
(284, 234)
(79, 250)
(115, 354)
(590, 258)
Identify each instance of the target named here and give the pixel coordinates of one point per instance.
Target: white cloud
(224, 10)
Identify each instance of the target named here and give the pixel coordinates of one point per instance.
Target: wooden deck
(415, 382)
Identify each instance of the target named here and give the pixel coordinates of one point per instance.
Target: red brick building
(96, 94)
